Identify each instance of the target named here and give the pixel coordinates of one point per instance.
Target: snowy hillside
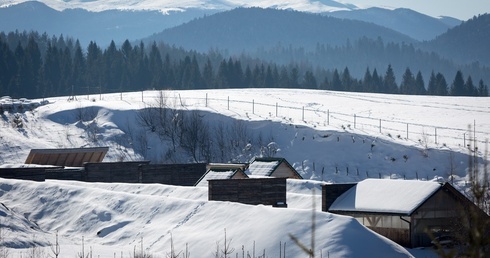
(114, 219)
(334, 136)
(327, 136)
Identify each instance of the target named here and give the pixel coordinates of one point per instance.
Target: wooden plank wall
(173, 174)
(115, 172)
(64, 174)
(143, 172)
(33, 174)
(266, 191)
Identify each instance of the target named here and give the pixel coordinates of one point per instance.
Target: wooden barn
(272, 167)
(266, 191)
(402, 210)
(222, 171)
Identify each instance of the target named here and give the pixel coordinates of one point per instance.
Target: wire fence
(425, 134)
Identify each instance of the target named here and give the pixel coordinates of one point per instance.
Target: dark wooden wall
(115, 172)
(331, 192)
(267, 191)
(34, 174)
(143, 172)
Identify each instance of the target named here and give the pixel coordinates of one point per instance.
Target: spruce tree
(309, 81)
(408, 84)
(336, 82)
(441, 85)
(470, 89)
(458, 85)
(419, 85)
(482, 89)
(367, 81)
(431, 87)
(389, 82)
(377, 82)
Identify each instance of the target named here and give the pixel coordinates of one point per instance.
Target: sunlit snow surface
(316, 131)
(398, 196)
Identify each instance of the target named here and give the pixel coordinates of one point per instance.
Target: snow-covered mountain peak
(168, 5)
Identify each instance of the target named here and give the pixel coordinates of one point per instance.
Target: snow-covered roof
(262, 168)
(215, 175)
(385, 196)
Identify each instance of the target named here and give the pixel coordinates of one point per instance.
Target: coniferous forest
(36, 65)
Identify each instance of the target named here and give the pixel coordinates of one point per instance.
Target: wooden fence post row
(327, 112)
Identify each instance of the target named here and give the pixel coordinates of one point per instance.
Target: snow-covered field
(327, 136)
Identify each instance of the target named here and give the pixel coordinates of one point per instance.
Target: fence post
(354, 120)
(379, 125)
(303, 114)
(253, 106)
(142, 98)
(276, 109)
(328, 116)
(206, 99)
(407, 131)
(435, 133)
(228, 102)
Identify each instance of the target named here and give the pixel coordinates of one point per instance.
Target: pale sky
(460, 9)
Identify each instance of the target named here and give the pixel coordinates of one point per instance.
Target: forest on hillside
(36, 65)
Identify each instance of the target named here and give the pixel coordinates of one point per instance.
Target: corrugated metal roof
(73, 157)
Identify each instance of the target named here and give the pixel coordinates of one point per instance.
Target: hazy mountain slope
(467, 42)
(406, 21)
(251, 28)
(87, 26)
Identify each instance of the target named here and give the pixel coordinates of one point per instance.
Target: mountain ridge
(247, 29)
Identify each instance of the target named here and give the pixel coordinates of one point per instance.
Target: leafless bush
(4, 251)
(85, 114)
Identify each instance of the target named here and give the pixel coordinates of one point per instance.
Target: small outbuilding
(409, 212)
(272, 167)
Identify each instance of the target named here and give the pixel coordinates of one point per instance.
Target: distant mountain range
(416, 25)
(314, 6)
(466, 43)
(203, 25)
(118, 20)
(248, 29)
(87, 26)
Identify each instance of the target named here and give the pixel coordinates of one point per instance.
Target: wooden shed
(402, 210)
(266, 191)
(272, 167)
